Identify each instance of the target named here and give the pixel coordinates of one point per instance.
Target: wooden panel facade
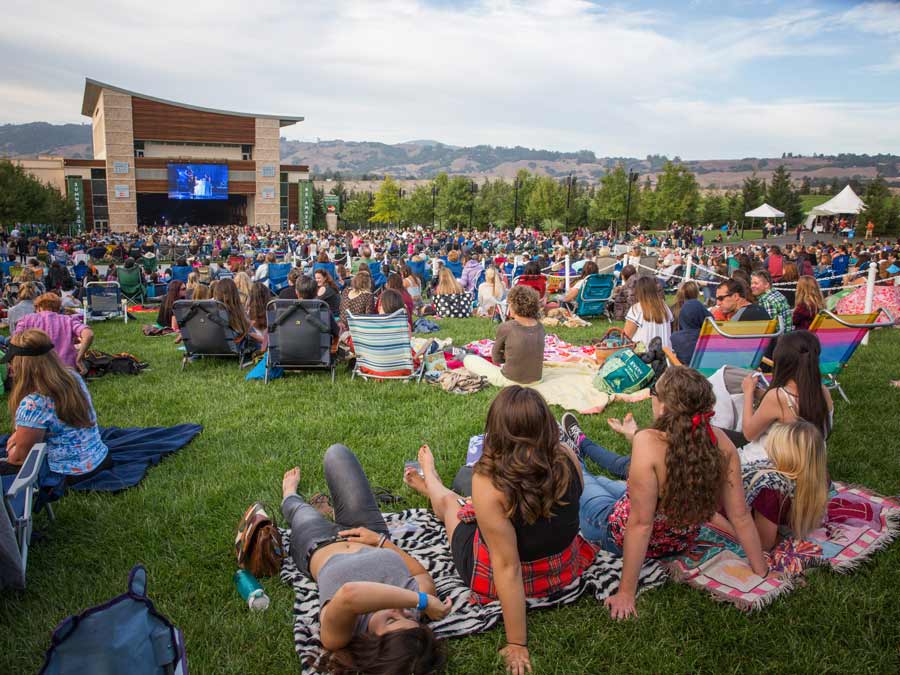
(237, 187)
(93, 163)
(293, 203)
(163, 122)
(163, 162)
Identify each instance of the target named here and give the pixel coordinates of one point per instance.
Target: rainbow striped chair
(382, 347)
(741, 344)
(840, 335)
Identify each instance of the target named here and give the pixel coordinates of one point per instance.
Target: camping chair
(131, 283)
(103, 300)
(331, 268)
(79, 271)
(205, 330)
(382, 347)
(536, 281)
(422, 270)
(300, 336)
(149, 264)
(181, 272)
(19, 500)
(740, 344)
(839, 336)
(378, 278)
(12, 293)
(6, 269)
(593, 295)
(278, 276)
(455, 268)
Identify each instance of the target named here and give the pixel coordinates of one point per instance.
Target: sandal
(385, 496)
(322, 503)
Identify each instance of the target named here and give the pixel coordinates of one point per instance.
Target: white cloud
(563, 74)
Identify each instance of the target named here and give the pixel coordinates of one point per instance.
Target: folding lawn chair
(300, 336)
(378, 278)
(839, 336)
(278, 276)
(181, 272)
(131, 283)
(536, 281)
(382, 347)
(19, 502)
(593, 295)
(79, 271)
(422, 270)
(455, 268)
(205, 330)
(103, 300)
(741, 344)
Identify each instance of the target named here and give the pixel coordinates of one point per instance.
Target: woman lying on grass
(519, 536)
(373, 595)
(680, 473)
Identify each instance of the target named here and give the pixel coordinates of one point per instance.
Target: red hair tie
(704, 418)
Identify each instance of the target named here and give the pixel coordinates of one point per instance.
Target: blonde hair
(797, 451)
(244, 286)
(809, 294)
(447, 283)
(493, 277)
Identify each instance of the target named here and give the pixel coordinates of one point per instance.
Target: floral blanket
(858, 524)
(555, 350)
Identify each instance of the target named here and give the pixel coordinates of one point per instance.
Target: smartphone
(413, 464)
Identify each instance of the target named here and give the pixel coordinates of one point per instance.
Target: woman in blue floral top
(51, 404)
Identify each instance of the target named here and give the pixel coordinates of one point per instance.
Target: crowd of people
(530, 515)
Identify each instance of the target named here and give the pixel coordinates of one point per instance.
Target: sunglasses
(719, 298)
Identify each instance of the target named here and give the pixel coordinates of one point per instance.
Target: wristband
(382, 540)
(423, 601)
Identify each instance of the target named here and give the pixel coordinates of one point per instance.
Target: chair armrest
(30, 471)
(674, 360)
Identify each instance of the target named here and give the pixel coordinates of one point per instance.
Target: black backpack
(100, 363)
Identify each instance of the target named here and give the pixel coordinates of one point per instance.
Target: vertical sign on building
(75, 190)
(305, 195)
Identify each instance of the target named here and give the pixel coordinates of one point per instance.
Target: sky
(699, 79)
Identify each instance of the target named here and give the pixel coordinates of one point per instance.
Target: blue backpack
(124, 635)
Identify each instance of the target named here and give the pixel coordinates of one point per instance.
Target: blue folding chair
(181, 272)
(278, 276)
(593, 295)
(103, 300)
(331, 268)
(19, 502)
(79, 271)
(378, 278)
(455, 268)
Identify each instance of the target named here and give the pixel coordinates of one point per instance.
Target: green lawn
(809, 202)
(180, 523)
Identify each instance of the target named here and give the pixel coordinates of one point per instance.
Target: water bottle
(251, 591)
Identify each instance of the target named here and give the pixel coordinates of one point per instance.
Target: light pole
(433, 201)
(570, 181)
(516, 205)
(472, 189)
(632, 177)
(400, 207)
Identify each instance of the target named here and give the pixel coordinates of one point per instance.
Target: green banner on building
(305, 194)
(75, 190)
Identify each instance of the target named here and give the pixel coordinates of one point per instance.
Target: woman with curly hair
(681, 472)
(518, 352)
(518, 537)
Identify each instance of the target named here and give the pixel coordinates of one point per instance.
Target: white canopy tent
(765, 211)
(846, 201)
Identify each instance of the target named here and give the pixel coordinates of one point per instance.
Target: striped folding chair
(382, 347)
(741, 344)
(839, 336)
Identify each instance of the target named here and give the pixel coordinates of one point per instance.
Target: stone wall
(266, 152)
(119, 142)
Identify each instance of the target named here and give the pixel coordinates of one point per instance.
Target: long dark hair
(695, 466)
(256, 305)
(797, 358)
(523, 456)
(173, 293)
(414, 650)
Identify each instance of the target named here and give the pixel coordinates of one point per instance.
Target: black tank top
(549, 536)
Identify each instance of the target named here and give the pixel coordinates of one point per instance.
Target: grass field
(809, 202)
(180, 523)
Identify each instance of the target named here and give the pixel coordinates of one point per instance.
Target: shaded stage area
(158, 209)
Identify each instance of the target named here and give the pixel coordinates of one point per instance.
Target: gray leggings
(354, 506)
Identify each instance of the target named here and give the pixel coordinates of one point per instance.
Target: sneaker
(573, 432)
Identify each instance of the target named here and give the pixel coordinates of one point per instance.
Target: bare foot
(426, 461)
(290, 482)
(322, 503)
(414, 480)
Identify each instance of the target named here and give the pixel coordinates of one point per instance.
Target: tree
(782, 196)
(753, 193)
(416, 208)
(647, 206)
(881, 207)
(494, 204)
(455, 201)
(25, 199)
(357, 209)
(677, 194)
(609, 205)
(340, 190)
(387, 203)
(715, 210)
(546, 202)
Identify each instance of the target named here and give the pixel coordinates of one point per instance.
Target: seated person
(523, 514)
(569, 298)
(733, 304)
(450, 300)
(289, 292)
(518, 352)
(772, 301)
(165, 317)
(306, 288)
(28, 291)
(374, 597)
(690, 319)
(391, 301)
(256, 311)
(395, 283)
(789, 487)
(623, 294)
(680, 472)
(491, 292)
(328, 290)
(50, 404)
(531, 276)
(70, 337)
(649, 317)
(357, 297)
(246, 336)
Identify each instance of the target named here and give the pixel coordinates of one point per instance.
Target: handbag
(624, 372)
(258, 543)
(612, 341)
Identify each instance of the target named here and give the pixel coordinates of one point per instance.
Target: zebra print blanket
(422, 535)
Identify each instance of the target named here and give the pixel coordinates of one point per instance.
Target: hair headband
(12, 351)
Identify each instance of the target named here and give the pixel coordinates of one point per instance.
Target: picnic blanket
(858, 524)
(423, 536)
(555, 350)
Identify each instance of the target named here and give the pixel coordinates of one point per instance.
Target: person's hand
(79, 363)
(517, 660)
(748, 384)
(626, 426)
(361, 535)
(621, 606)
(437, 608)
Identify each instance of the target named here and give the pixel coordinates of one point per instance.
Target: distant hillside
(426, 158)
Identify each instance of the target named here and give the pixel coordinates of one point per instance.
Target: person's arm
(767, 530)
(755, 423)
(643, 490)
(372, 538)
(630, 328)
(85, 338)
(355, 598)
(20, 443)
(500, 538)
(498, 351)
(736, 508)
